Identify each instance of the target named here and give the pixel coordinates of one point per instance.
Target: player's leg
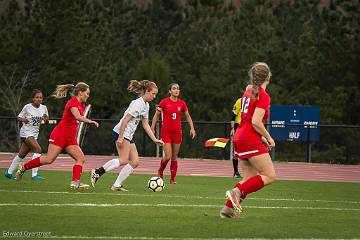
(266, 175)
(248, 172)
(129, 154)
(174, 163)
(110, 165)
(36, 149)
(77, 154)
(23, 151)
(52, 153)
(167, 151)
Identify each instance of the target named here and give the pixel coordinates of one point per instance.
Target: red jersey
(68, 123)
(171, 113)
(246, 136)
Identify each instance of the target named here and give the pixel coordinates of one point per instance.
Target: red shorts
(61, 139)
(246, 148)
(171, 136)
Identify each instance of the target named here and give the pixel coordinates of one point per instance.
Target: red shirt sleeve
(161, 105)
(184, 107)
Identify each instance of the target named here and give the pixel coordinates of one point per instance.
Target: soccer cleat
(93, 177)
(237, 175)
(234, 197)
(227, 212)
(172, 181)
(119, 189)
(79, 185)
(37, 177)
(9, 175)
(20, 172)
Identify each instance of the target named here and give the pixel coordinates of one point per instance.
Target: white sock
(14, 164)
(35, 170)
(111, 165)
(123, 175)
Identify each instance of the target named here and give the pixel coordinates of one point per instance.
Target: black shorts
(115, 137)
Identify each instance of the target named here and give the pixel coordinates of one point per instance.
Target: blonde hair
(141, 86)
(259, 72)
(62, 90)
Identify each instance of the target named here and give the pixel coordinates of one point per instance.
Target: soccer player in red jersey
(252, 141)
(171, 132)
(64, 134)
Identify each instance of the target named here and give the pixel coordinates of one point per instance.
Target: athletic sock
(173, 169)
(14, 164)
(100, 171)
(34, 171)
(162, 168)
(33, 163)
(77, 171)
(253, 184)
(123, 175)
(111, 165)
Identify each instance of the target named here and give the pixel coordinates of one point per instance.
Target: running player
(252, 142)
(123, 133)
(171, 132)
(31, 116)
(64, 134)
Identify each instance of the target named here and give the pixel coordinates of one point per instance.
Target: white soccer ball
(156, 184)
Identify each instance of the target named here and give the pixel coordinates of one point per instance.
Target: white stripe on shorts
(245, 153)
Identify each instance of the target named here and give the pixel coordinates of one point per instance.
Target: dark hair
(34, 92)
(172, 84)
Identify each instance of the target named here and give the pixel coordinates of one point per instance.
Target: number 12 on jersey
(245, 104)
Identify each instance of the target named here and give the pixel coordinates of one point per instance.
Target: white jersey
(139, 109)
(34, 116)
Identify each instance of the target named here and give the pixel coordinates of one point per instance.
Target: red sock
(229, 204)
(253, 184)
(162, 168)
(173, 169)
(77, 171)
(33, 163)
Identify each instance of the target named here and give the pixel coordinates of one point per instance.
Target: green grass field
(190, 209)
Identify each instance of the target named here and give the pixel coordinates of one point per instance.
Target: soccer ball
(156, 184)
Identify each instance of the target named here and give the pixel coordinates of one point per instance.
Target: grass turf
(189, 209)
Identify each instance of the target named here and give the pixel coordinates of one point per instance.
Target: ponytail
(62, 90)
(140, 86)
(258, 73)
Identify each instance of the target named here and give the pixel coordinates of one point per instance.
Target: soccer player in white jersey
(31, 116)
(123, 132)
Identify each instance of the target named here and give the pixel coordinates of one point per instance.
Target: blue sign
(281, 115)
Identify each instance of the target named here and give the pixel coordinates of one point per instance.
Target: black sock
(235, 165)
(100, 171)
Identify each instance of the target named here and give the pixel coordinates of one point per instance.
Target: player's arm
(75, 112)
(22, 116)
(232, 123)
(149, 131)
(191, 124)
(260, 127)
(45, 116)
(155, 119)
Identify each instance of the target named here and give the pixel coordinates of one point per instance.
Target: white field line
(159, 205)
(179, 196)
(174, 238)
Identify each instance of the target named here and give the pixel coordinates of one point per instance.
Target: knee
(167, 158)
(47, 160)
(134, 164)
(270, 178)
(37, 150)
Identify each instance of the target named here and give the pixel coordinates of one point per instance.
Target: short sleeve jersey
(171, 113)
(138, 109)
(249, 103)
(68, 122)
(237, 111)
(34, 116)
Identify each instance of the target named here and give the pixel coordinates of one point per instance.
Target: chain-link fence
(339, 144)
